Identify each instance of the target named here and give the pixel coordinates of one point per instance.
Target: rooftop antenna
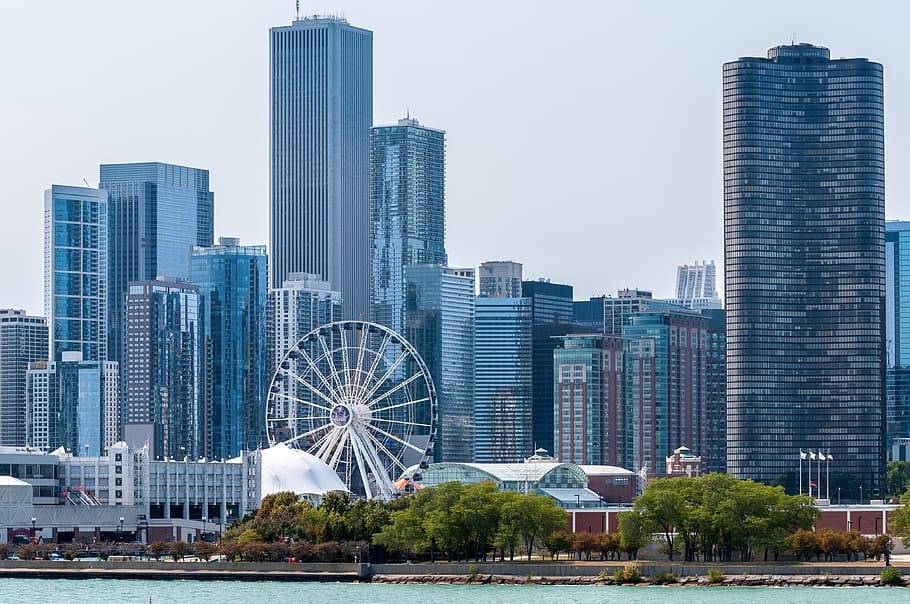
(86, 183)
(408, 112)
(793, 39)
(298, 10)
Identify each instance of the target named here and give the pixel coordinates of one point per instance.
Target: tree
(900, 523)
(157, 549)
(179, 549)
(634, 533)
(803, 544)
(663, 504)
(204, 550)
(532, 517)
(897, 478)
(558, 541)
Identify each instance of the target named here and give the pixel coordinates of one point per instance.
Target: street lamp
(120, 531)
(860, 494)
(838, 495)
(33, 530)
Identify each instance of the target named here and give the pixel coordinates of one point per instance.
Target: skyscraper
(440, 325)
(321, 112)
(160, 374)
(588, 400)
(714, 452)
(502, 380)
(606, 314)
(407, 211)
(75, 271)
(500, 279)
(70, 403)
(551, 316)
(665, 386)
(804, 250)
(157, 213)
(23, 340)
(232, 306)
(897, 330)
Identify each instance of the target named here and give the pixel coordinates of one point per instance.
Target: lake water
(38, 591)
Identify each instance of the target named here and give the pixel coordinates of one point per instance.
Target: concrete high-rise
(23, 340)
(157, 214)
(804, 246)
(321, 112)
(76, 271)
(500, 279)
(407, 195)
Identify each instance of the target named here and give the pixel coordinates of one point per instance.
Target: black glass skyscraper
(804, 214)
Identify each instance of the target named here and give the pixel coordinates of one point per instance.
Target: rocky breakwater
(731, 581)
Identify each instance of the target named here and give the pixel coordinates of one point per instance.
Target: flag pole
(828, 475)
(818, 471)
(800, 471)
(809, 459)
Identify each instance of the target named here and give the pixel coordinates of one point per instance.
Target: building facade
(664, 387)
(157, 214)
(606, 314)
(23, 340)
(502, 380)
(588, 401)
(440, 325)
(161, 377)
(551, 315)
(500, 279)
(76, 271)
(696, 280)
(233, 358)
(72, 403)
(407, 197)
(321, 112)
(714, 453)
(804, 248)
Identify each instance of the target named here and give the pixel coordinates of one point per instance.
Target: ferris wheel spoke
(312, 389)
(326, 443)
(386, 375)
(394, 389)
(318, 372)
(361, 467)
(276, 420)
(395, 421)
(345, 364)
(388, 453)
(395, 438)
(360, 350)
(404, 404)
(380, 475)
(331, 361)
(300, 400)
(309, 433)
(338, 448)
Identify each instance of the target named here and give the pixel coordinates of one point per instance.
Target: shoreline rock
(730, 581)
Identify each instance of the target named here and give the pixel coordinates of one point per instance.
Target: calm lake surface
(32, 591)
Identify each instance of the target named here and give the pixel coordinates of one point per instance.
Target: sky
(584, 138)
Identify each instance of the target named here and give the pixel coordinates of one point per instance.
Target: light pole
(860, 494)
(33, 530)
(577, 500)
(120, 531)
(838, 495)
(204, 519)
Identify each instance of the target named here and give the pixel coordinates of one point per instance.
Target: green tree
(663, 504)
(558, 541)
(900, 523)
(897, 478)
(634, 533)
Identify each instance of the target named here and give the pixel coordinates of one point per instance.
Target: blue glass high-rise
(76, 271)
(897, 330)
(233, 354)
(502, 380)
(157, 213)
(321, 112)
(407, 196)
(440, 325)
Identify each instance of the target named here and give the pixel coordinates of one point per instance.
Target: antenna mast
(298, 10)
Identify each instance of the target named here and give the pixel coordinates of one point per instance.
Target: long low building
(72, 498)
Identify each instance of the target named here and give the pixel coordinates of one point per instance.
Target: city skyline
(190, 137)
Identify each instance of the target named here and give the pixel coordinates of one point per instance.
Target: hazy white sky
(584, 137)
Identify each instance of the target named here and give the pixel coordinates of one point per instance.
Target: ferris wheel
(358, 396)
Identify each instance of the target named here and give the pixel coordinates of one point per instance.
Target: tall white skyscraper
(321, 110)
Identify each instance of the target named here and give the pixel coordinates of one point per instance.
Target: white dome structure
(288, 469)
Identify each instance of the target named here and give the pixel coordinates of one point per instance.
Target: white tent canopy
(288, 469)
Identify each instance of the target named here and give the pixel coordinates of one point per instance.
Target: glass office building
(502, 380)
(23, 340)
(804, 248)
(551, 315)
(407, 196)
(76, 271)
(160, 373)
(232, 325)
(321, 112)
(714, 453)
(897, 330)
(157, 213)
(440, 325)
